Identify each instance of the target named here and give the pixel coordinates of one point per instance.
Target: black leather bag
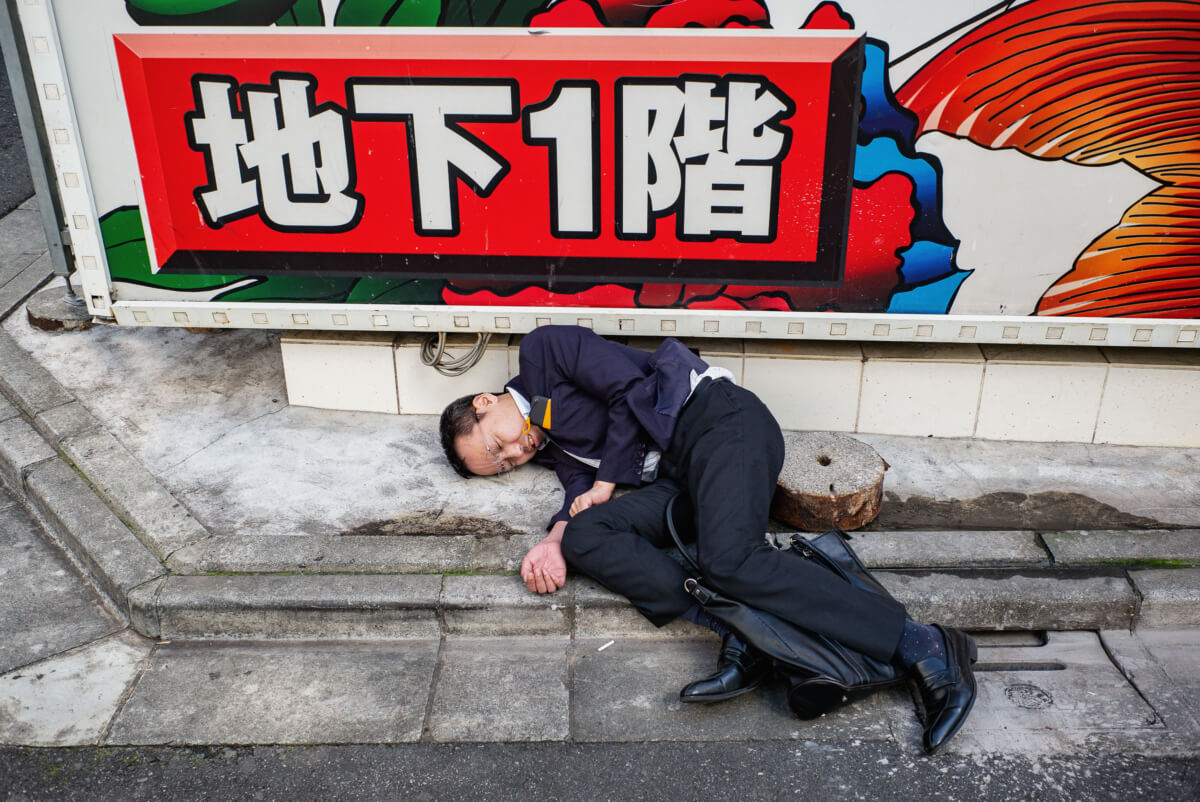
(822, 674)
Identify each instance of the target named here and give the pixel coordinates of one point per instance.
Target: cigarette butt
(605, 646)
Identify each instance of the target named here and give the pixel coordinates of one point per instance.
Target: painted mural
(1037, 157)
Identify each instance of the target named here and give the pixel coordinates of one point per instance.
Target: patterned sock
(919, 641)
(698, 615)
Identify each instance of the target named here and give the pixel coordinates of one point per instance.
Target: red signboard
(538, 156)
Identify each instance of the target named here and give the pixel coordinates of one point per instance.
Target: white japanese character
(302, 158)
(649, 176)
(219, 131)
(723, 196)
(707, 149)
(439, 151)
(280, 156)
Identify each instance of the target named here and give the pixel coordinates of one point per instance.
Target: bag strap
(675, 535)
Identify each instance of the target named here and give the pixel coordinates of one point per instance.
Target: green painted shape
(207, 12)
(390, 13)
(457, 13)
(282, 289)
(129, 259)
(180, 7)
(504, 13)
(306, 13)
(396, 291)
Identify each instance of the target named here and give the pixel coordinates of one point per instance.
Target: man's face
(500, 440)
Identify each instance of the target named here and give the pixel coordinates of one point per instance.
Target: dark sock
(918, 642)
(697, 615)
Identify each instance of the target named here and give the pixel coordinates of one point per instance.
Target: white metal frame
(1001, 329)
(66, 149)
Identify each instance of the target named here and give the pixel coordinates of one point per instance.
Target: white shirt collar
(522, 405)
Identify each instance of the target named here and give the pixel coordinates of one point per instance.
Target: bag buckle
(697, 591)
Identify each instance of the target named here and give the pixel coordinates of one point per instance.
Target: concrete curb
(112, 554)
(1017, 600)
(1170, 597)
(1165, 548)
(353, 554)
(350, 606)
(163, 523)
(108, 551)
(424, 606)
(897, 550)
(26, 382)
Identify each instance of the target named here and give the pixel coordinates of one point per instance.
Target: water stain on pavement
(434, 522)
(1049, 510)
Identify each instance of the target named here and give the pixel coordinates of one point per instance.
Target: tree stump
(828, 481)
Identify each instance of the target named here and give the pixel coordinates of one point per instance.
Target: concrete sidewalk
(72, 674)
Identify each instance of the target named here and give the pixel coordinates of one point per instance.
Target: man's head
(486, 434)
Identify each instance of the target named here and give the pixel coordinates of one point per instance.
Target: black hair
(458, 420)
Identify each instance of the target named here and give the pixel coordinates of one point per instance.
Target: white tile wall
(1135, 396)
(340, 371)
(920, 390)
(1151, 398)
(423, 391)
(806, 385)
(1040, 394)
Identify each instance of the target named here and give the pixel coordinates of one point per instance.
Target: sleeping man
(602, 414)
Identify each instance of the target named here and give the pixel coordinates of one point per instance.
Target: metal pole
(37, 150)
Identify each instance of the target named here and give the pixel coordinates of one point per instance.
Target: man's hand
(600, 493)
(544, 570)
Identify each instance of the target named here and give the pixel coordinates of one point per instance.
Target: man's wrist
(556, 532)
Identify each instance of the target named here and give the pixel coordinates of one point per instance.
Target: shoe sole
(972, 654)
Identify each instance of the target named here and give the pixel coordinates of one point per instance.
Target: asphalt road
(671, 772)
(15, 185)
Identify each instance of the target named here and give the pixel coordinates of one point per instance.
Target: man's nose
(514, 449)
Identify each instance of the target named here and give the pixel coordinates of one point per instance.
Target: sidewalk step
(431, 605)
(906, 550)
(353, 554)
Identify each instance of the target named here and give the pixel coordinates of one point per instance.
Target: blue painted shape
(933, 298)
(926, 260)
(881, 113)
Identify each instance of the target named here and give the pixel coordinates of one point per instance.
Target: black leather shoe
(740, 670)
(947, 688)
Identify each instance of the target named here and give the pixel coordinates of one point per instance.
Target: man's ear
(483, 402)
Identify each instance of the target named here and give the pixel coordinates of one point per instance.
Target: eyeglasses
(504, 467)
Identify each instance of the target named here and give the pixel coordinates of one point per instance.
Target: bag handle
(675, 535)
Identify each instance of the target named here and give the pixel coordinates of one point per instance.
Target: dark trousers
(724, 458)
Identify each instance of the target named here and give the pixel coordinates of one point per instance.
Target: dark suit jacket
(608, 402)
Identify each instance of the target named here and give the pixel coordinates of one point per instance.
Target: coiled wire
(433, 353)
